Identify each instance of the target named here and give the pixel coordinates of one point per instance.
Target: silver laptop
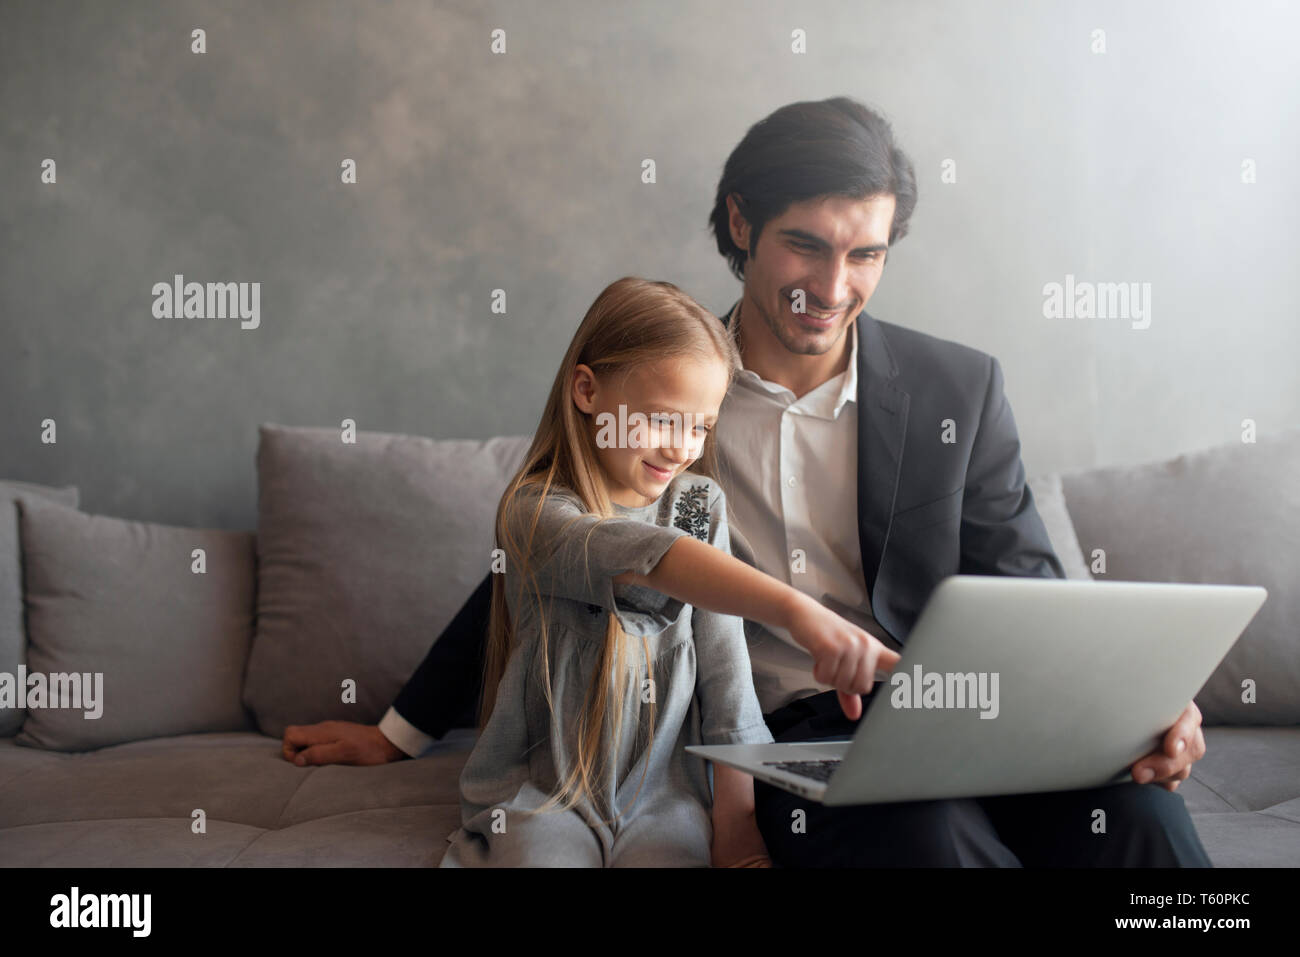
(1016, 685)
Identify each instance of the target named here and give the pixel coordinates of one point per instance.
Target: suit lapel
(882, 424)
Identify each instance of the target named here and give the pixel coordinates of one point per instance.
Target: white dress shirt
(789, 467)
(404, 735)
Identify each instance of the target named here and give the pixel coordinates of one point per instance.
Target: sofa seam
(20, 777)
(305, 778)
(226, 863)
(1276, 817)
(360, 810)
(1221, 797)
(133, 817)
(259, 827)
(325, 817)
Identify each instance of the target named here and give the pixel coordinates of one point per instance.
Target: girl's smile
(662, 475)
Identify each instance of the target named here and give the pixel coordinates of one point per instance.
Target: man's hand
(338, 742)
(1184, 744)
(844, 656)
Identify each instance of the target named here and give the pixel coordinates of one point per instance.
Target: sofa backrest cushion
(1049, 500)
(366, 551)
(166, 629)
(13, 639)
(1228, 515)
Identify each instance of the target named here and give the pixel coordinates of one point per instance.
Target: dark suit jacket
(941, 491)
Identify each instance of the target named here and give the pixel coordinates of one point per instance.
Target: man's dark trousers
(1146, 826)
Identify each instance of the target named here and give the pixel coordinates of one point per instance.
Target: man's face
(831, 247)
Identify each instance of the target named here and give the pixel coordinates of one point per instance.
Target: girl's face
(649, 423)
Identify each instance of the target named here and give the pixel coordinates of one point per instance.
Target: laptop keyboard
(817, 770)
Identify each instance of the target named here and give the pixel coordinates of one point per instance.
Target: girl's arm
(845, 656)
(735, 831)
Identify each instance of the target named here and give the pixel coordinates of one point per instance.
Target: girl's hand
(845, 657)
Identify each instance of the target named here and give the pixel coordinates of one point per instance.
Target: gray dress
(702, 686)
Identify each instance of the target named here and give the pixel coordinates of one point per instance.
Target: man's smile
(819, 319)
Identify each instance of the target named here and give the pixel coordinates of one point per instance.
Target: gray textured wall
(522, 171)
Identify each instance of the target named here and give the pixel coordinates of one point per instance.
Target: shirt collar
(848, 390)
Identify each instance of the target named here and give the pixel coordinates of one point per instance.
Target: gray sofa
(210, 642)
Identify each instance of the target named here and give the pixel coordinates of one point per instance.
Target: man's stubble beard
(790, 339)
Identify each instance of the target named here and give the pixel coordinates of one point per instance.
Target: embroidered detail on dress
(693, 512)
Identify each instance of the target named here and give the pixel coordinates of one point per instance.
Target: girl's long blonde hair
(632, 322)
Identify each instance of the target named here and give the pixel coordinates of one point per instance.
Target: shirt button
(790, 481)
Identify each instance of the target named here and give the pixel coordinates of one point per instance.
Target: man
(835, 414)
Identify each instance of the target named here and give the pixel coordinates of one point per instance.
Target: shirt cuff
(758, 733)
(404, 735)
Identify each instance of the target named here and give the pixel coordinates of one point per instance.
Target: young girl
(613, 641)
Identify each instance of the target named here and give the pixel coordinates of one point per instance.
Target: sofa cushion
(133, 805)
(1249, 769)
(366, 551)
(1049, 500)
(13, 639)
(164, 639)
(1228, 515)
(1244, 797)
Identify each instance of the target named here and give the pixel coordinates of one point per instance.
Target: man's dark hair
(809, 149)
